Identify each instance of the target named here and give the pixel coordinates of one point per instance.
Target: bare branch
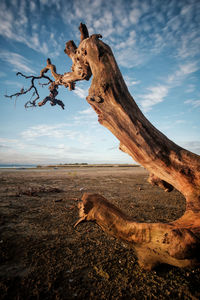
(80, 70)
(51, 97)
(84, 31)
(32, 103)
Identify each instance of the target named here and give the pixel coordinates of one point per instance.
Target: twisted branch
(80, 71)
(32, 103)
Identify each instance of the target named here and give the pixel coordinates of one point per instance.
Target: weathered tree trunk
(177, 243)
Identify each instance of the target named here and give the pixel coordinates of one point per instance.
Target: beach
(44, 257)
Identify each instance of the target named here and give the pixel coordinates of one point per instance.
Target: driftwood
(177, 243)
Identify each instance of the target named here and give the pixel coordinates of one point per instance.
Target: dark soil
(44, 257)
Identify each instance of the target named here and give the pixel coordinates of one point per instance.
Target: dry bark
(177, 243)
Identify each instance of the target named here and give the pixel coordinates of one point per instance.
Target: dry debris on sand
(44, 257)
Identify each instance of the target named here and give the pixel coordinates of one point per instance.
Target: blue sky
(157, 47)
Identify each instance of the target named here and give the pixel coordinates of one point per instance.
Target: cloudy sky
(157, 46)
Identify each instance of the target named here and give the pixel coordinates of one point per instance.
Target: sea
(16, 166)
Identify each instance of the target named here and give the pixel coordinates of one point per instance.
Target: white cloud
(59, 149)
(32, 6)
(13, 83)
(55, 131)
(69, 155)
(193, 103)
(6, 141)
(62, 131)
(190, 88)
(20, 151)
(189, 44)
(113, 20)
(23, 22)
(156, 95)
(7, 19)
(130, 81)
(129, 42)
(187, 69)
(179, 122)
(86, 117)
(89, 112)
(134, 16)
(130, 57)
(183, 71)
(163, 24)
(18, 62)
(82, 93)
(11, 143)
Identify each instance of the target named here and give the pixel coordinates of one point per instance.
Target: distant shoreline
(58, 166)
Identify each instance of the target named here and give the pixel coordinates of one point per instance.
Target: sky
(156, 45)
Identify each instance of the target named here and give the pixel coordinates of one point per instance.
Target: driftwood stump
(176, 243)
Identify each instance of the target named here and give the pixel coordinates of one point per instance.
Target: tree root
(155, 243)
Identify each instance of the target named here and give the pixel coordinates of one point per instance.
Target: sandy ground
(44, 257)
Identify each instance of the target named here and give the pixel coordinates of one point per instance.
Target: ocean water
(16, 166)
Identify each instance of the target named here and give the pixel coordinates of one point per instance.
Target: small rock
(58, 200)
